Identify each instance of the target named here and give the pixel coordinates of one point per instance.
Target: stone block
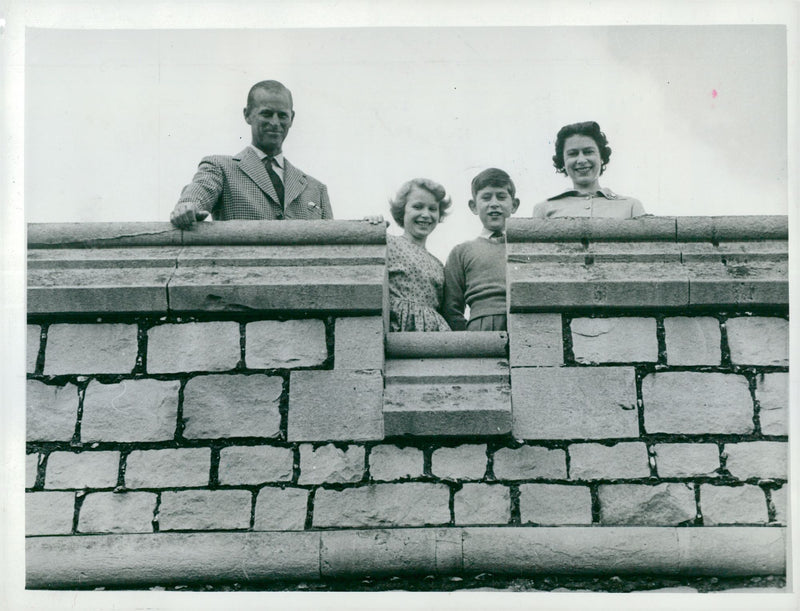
(692, 340)
(193, 346)
(758, 340)
(81, 470)
(110, 512)
(329, 464)
(446, 370)
(780, 500)
(772, 394)
(757, 459)
(614, 340)
(530, 462)
(32, 342)
(624, 460)
(482, 504)
(640, 504)
(738, 285)
(275, 344)
(554, 504)
(687, 459)
(253, 465)
(536, 340)
(168, 468)
(281, 509)
(388, 462)
(49, 513)
(91, 348)
(406, 504)
(732, 504)
(697, 403)
(574, 402)
(379, 552)
(130, 410)
(205, 510)
(221, 406)
(458, 344)
(441, 408)
(463, 462)
(31, 469)
(335, 405)
(51, 412)
(358, 343)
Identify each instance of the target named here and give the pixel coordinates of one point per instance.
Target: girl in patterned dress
(416, 277)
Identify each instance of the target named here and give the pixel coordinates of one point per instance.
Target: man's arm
(198, 198)
(454, 287)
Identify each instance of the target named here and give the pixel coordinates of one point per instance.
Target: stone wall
(230, 393)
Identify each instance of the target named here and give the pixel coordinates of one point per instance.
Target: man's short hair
(268, 86)
(493, 177)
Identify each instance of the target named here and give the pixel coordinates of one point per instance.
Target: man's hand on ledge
(185, 214)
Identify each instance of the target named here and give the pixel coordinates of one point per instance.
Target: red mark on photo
(713, 93)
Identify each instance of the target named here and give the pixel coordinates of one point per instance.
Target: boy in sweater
(475, 272)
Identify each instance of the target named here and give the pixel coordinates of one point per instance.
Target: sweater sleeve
(454, 289)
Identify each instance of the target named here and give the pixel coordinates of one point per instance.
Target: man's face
(494, 205)
(269, 116)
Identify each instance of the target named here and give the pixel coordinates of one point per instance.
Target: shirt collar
(262, 155)
(487, 233)
(602, 192)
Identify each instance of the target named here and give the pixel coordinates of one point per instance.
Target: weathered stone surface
(49, 513)
(193, 346)
(388, 462)
(748, 227)
(131, 410)
(732, 504)
(460, 344)
(358, 343)
(594, 461)
(780, 499)
(692, 402)
(757, 459)
(50, 411)
(614, 340)
(441, 408)
(407, 504)
(692, 340)
(281, 509)
(739, 285)
(101, 235)
(758, 340)
(335, 405)
(31, 469)
(220, 406)
(575, 229)
(90, 348)
(686, 459)
(168, 468)
(535, 340)
(772, 394)
(252, 465)
(530, 462)
(146, 559)
(447, 370)
(329, 464)
(81, 470)
(574, 402)
(310, 232)
(204, 509)
(555, 504)
(662, 504)
(482, 504)
(275, 344)
(110, 512)
(460, 463)
(380, 552)
(32, 340)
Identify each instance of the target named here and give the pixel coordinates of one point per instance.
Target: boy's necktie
(273, 176)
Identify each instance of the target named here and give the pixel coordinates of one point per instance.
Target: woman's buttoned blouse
(604, 203)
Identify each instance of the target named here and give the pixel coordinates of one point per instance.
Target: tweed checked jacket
(239, 187)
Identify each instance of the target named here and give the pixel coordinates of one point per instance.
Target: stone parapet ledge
(651, 262)
(443, 345)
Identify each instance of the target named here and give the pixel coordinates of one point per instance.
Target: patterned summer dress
(416, 285)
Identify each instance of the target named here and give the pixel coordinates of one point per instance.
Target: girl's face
(421, 214)
(582, 161)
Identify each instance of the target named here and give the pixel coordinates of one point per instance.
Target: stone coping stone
(180, 558)
(459, 344)
(746, 227)
(645, 228)
(101, 235)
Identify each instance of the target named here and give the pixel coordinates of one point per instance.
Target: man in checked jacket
(257, 183)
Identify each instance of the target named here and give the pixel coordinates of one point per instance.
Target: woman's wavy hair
(586, 128)
(397, 206)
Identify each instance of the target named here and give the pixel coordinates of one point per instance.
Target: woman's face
(582, 160)
(421, 213)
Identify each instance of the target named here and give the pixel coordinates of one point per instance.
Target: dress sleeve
(540, 210)
(637, 209)
(454, 288)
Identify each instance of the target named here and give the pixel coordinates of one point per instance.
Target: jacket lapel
(254, 168)
(294, 181)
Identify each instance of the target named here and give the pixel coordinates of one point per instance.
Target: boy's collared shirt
(603, 203)
(492, 236)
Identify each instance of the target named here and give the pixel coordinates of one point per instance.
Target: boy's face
(494, 205)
